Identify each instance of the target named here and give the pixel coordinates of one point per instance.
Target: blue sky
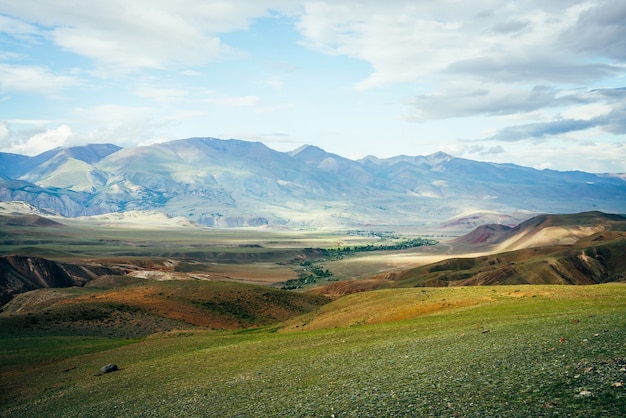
(541, 84)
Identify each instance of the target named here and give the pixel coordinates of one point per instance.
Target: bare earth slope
(19, 274)
(541, 230)
(583, 248)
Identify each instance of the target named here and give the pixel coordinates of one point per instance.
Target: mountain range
(226, 183)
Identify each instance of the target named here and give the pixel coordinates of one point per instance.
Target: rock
(109, 368)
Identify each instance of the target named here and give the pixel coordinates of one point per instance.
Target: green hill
(511, 351)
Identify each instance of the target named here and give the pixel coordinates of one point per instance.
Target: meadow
(480, 351)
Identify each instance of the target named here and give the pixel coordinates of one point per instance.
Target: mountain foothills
(229, 183)
(39, 253)
(575, 249)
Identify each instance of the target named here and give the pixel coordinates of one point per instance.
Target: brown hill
(29, 220)
(125, 306)
(20, 274)
(541, 230)
(583, 248)
(599, 258)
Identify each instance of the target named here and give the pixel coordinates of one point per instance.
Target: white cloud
(39, 142)
(222, 99)
(486, 58)
(275, 82)
(18, 29)
(111, 114)
(160, 94)
(25, 78)
(122, 125)
(419, 41)
(191, 73)
(142, 33)
(31, 122)
(275, 108)
(4, 131)
(595, 158)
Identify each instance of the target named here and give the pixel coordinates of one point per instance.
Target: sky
(540, 83)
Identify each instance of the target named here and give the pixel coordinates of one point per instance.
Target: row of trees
(312, 272)
(340, 252)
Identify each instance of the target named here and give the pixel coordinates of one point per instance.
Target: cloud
(33, 79)
(485, 58)
(19, 29)
(489, 99)
(214, 97)
(418, 41)
(36, 143)
(600, 30)
(141, 33)
(549, 67)
(160, 94)
(4, 131)
(459, 150)
(594, 158)
(603, 109)
(457, 100)
(124, 125)
(112, 114)
(275, 82)
(541, 129)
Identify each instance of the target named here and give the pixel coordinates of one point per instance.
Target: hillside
(19, 274)
(541, 230)
(123, 306)
(232, 183)
(578, 249)
(504, 351)
(597, 260)
(583, 248)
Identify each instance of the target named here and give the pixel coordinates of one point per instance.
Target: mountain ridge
(232, 182)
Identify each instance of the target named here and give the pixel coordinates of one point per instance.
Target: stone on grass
(109, 368)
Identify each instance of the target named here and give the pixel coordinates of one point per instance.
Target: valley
(503, 320)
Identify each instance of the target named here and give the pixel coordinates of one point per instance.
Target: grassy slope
(545, 347)
(119, 306)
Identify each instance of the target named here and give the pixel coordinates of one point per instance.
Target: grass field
(504, 351)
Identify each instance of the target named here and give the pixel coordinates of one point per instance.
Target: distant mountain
(238, 183)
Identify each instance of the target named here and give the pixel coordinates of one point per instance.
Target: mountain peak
(439, 156)
(308, 149)
(91, 153)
